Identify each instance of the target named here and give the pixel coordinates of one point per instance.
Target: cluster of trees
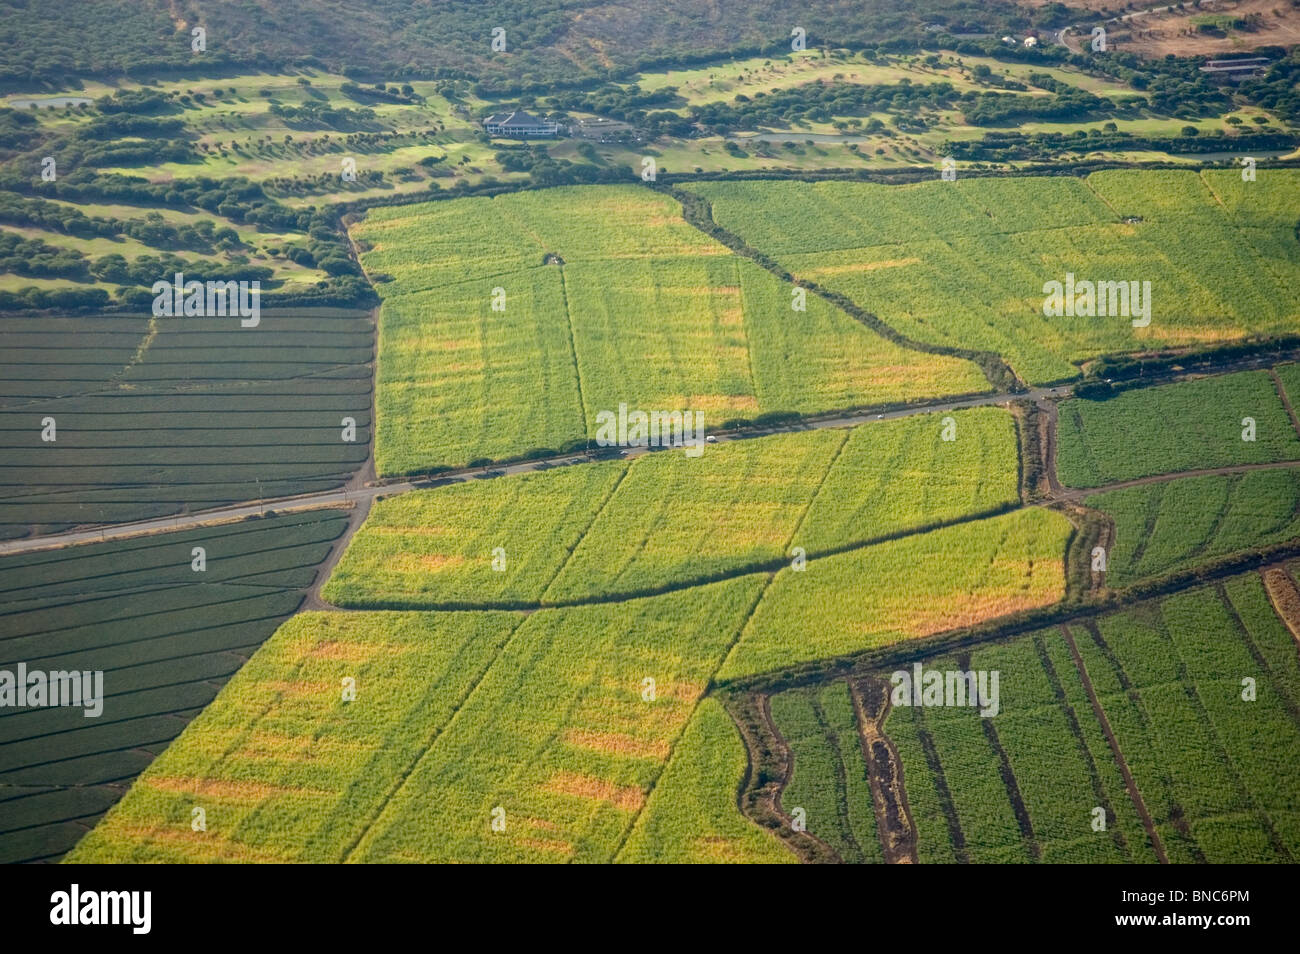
(630, 104)
(544, 171)
(142, 101)
(1278, 89)
(237, 199)
(20, 132)
(1001, 109)
(38, 259)
(386, 94)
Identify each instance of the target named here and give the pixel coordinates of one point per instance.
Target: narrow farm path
(1048, 416)
(884, 771)
(1075, 494)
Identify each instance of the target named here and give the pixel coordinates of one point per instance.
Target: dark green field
(179, 415)
(166, 638)
(1214, 772)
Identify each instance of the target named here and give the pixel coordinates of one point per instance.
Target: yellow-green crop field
(663, 521)
(691, 817)
(904, 589)
(1220, 255)
(487, 351)
(582, 732)
(555, 726)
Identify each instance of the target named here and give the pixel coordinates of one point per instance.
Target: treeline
(237, 199)
(1111, 374)
(404, 94)
(201, 236)
(1008, 146)
(316, 114)
(349, 290)
(823, 102)
(54, 299)
(544, 171)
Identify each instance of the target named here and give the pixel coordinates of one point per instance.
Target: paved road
(343, 498)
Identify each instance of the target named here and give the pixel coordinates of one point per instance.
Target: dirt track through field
(884, 771)
(1075, 494)
(782, 749)
(1286, 399)
(1047, 441)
